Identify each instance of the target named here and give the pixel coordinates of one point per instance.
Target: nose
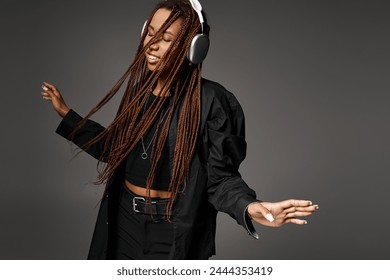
(154, 46)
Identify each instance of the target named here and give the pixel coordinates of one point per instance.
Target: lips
(152, 58)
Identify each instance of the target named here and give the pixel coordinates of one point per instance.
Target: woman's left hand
(276, 214)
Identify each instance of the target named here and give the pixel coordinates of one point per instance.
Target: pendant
(144, 155)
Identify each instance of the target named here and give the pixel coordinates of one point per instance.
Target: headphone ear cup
(143, 28)
(198, 49)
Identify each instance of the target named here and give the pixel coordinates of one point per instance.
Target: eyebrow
(166, 31)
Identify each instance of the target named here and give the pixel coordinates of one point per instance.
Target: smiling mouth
(152, 57)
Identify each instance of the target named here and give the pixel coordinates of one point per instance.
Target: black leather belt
(154, 207)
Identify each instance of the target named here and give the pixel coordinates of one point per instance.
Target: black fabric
(214, 183)
(137, 169)
(140, 236)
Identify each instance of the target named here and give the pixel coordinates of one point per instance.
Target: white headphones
(199, 47)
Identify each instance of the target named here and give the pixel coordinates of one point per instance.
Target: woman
(171, 155)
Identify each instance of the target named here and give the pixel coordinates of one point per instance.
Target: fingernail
(269, 217)
(317, 207)
(305, 222)
(45, 88)
(310, 203)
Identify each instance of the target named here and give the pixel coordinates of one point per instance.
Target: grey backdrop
(311, 76)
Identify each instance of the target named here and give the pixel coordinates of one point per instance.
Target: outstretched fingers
(311, 208)
(50, 86)
(47, 91)
(50, 89)
(298, 214)
(296, 203)
(46, 96)
(298, 208)
(296, 221)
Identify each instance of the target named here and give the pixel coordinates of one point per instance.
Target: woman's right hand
(51, 93)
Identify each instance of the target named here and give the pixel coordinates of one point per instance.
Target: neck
(159, 87)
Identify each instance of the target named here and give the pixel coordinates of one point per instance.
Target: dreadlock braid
(123, 134)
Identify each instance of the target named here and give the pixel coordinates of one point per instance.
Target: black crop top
(137, 168)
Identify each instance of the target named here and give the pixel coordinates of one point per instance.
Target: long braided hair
(123, 134)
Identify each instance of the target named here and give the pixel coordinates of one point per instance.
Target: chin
(152, 67)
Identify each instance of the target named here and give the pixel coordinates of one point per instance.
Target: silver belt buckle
(135, 203)
(135, 198)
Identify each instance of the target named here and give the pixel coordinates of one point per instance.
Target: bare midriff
(141, 191)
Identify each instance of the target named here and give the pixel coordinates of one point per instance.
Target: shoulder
(218, 96)
(212, 86)
(216, 90)
(220, 106)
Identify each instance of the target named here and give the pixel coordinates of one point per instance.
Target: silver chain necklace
(144, 155)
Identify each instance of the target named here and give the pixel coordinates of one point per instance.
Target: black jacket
(214, 181)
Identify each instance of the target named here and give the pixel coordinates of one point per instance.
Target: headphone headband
(198, 9)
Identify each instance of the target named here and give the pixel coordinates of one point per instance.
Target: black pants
(140, 236)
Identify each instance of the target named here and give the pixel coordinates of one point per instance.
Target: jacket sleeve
(87, 132)
(227, 191)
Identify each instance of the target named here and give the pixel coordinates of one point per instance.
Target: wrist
(63, 112)
(249, 215)
(250, 209)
